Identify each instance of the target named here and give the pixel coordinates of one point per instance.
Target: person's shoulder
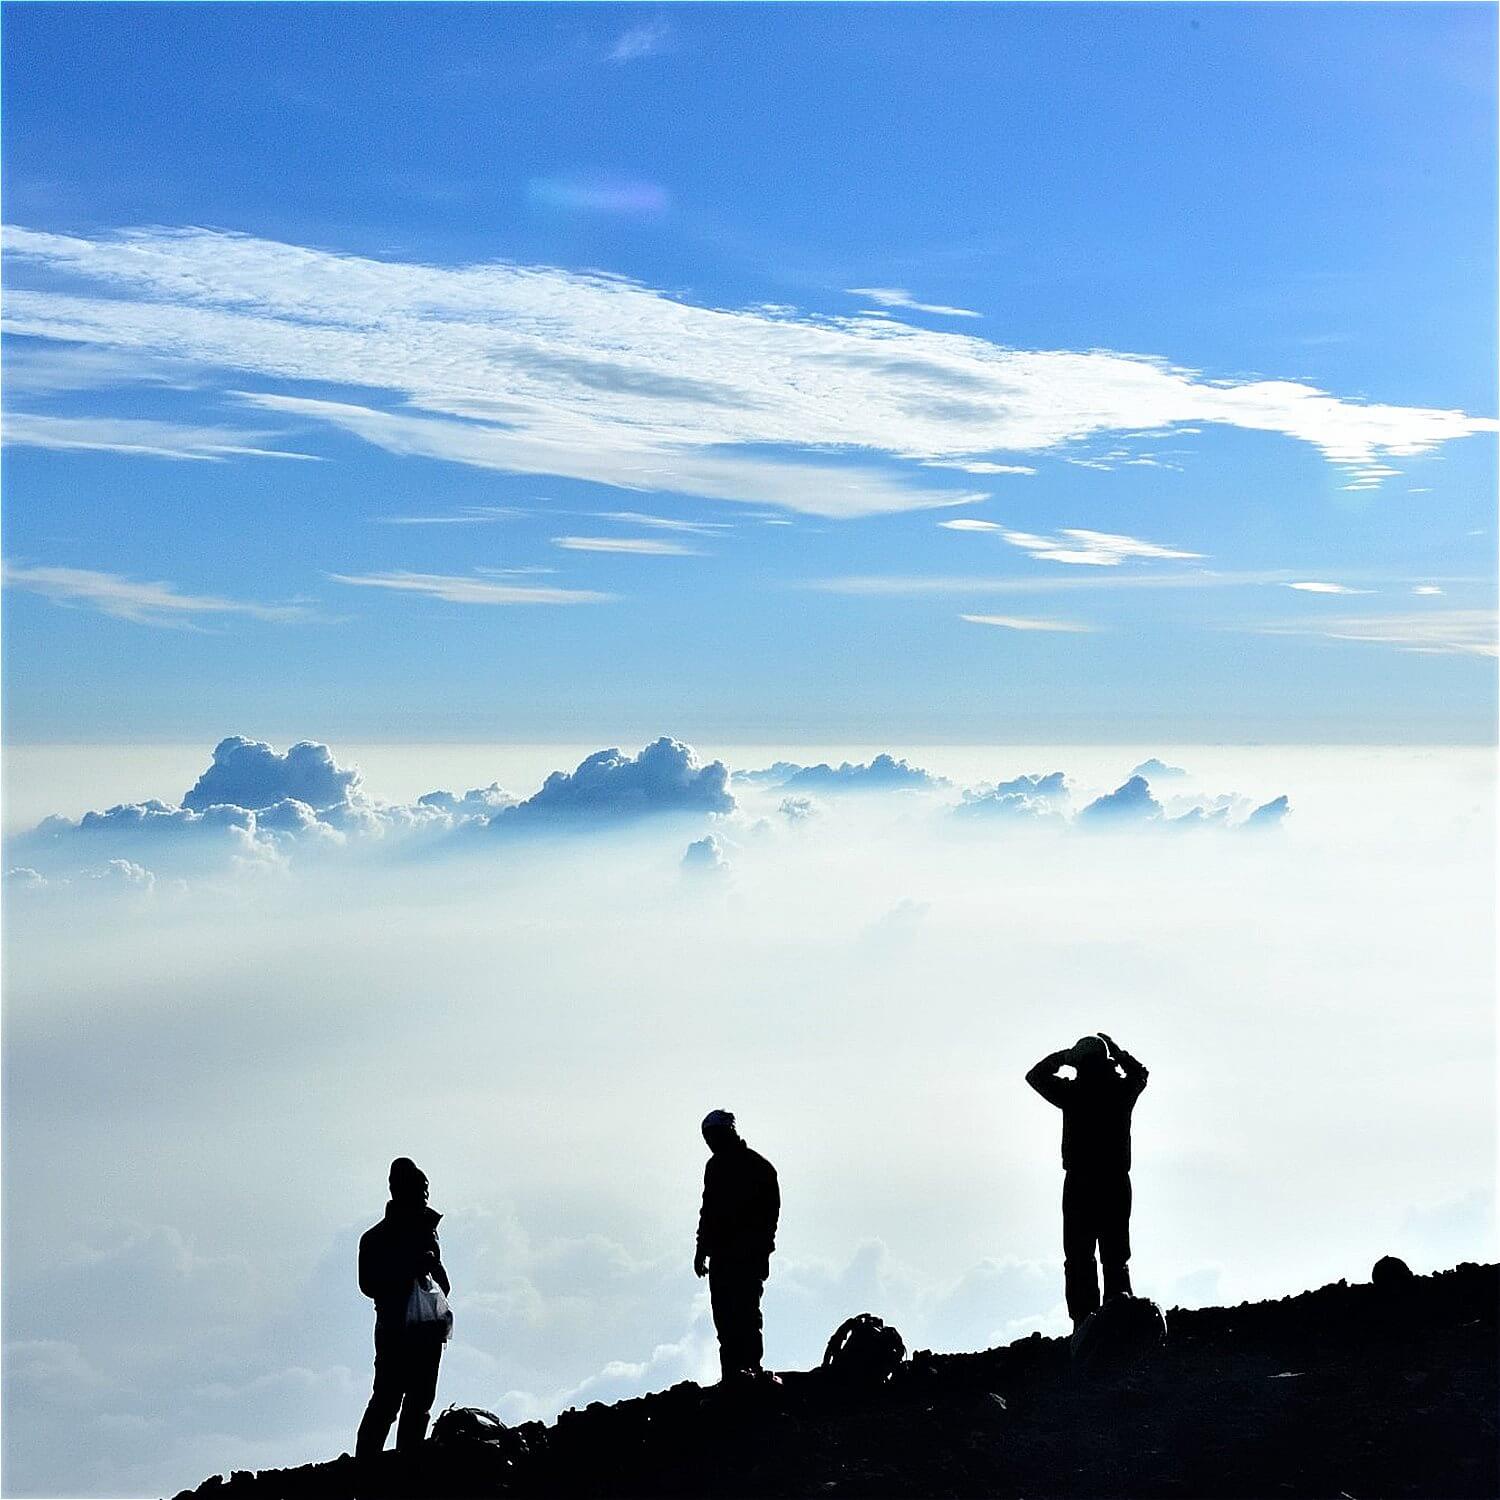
(759, 1162)
(373, 1234)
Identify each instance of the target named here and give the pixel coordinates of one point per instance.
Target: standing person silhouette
(736, 1236)
(1096, 1104)
(394, 1256)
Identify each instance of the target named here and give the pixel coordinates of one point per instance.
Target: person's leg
(1114, 1236)
(721, 1298)
(755, 1343)
(1080, 1230)
(424, 1354)
(385, 1399)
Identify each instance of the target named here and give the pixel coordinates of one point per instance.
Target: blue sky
(750, 373)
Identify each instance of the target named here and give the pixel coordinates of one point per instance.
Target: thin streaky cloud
(1019, 622)
(533, 369)
(139, 438)
(1074, 545)
(638, 546)
(661, 523)
(1426, 589)
(143, 603)
(1443, 632)
(897, 585)
(977, 466)
(462, 589)
(1312, 586)
(897, 296)
(470, 515)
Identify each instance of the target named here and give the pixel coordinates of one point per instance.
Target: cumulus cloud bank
(248, 773)
(255, 808)
(882, 774)
(534, 369)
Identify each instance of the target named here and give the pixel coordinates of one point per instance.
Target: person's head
(1090, 1054)
(408, 1182)
(719, 1130)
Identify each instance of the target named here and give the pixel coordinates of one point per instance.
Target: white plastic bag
(427, 1308)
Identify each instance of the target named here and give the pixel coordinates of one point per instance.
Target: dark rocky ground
(1348, 1393)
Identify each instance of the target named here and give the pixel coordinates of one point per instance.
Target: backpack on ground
(468, 1424)
(864, 1350)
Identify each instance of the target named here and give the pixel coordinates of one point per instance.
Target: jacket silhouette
(736, 1238)
(1097, 1104)
(393, 1255)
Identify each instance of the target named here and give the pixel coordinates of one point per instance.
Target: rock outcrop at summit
(1386, 1388)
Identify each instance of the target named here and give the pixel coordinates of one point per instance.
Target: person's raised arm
(1043, 1077)
(1135, 1071)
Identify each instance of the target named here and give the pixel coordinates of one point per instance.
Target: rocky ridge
(1350, 1392)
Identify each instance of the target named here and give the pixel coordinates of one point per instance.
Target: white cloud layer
(542, 1025)
(534, 369)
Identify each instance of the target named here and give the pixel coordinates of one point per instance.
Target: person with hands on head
(1097, 1103)
(397, 1256)
(736, 1237)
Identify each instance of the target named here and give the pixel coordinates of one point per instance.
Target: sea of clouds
(231, 1001)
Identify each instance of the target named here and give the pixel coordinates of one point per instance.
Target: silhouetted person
(1096, 1106)
(393, 1256)
(736, 1235)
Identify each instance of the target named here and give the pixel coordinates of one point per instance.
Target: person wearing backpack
(401, 1271)
(736, 1237)
(1097, 1103)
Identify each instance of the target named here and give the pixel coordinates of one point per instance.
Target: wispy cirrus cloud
(662, 523)
(1312, 586)
(639, 41)
(916, 585)
(977, 466)
(470, 589)
(534, 369)
(142, 603)
(1021, 622)
(469, 515)
(141, 438)
(818, 489)
(1441, 632)
(898, 296)
(1099, 549)
(637, 546)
